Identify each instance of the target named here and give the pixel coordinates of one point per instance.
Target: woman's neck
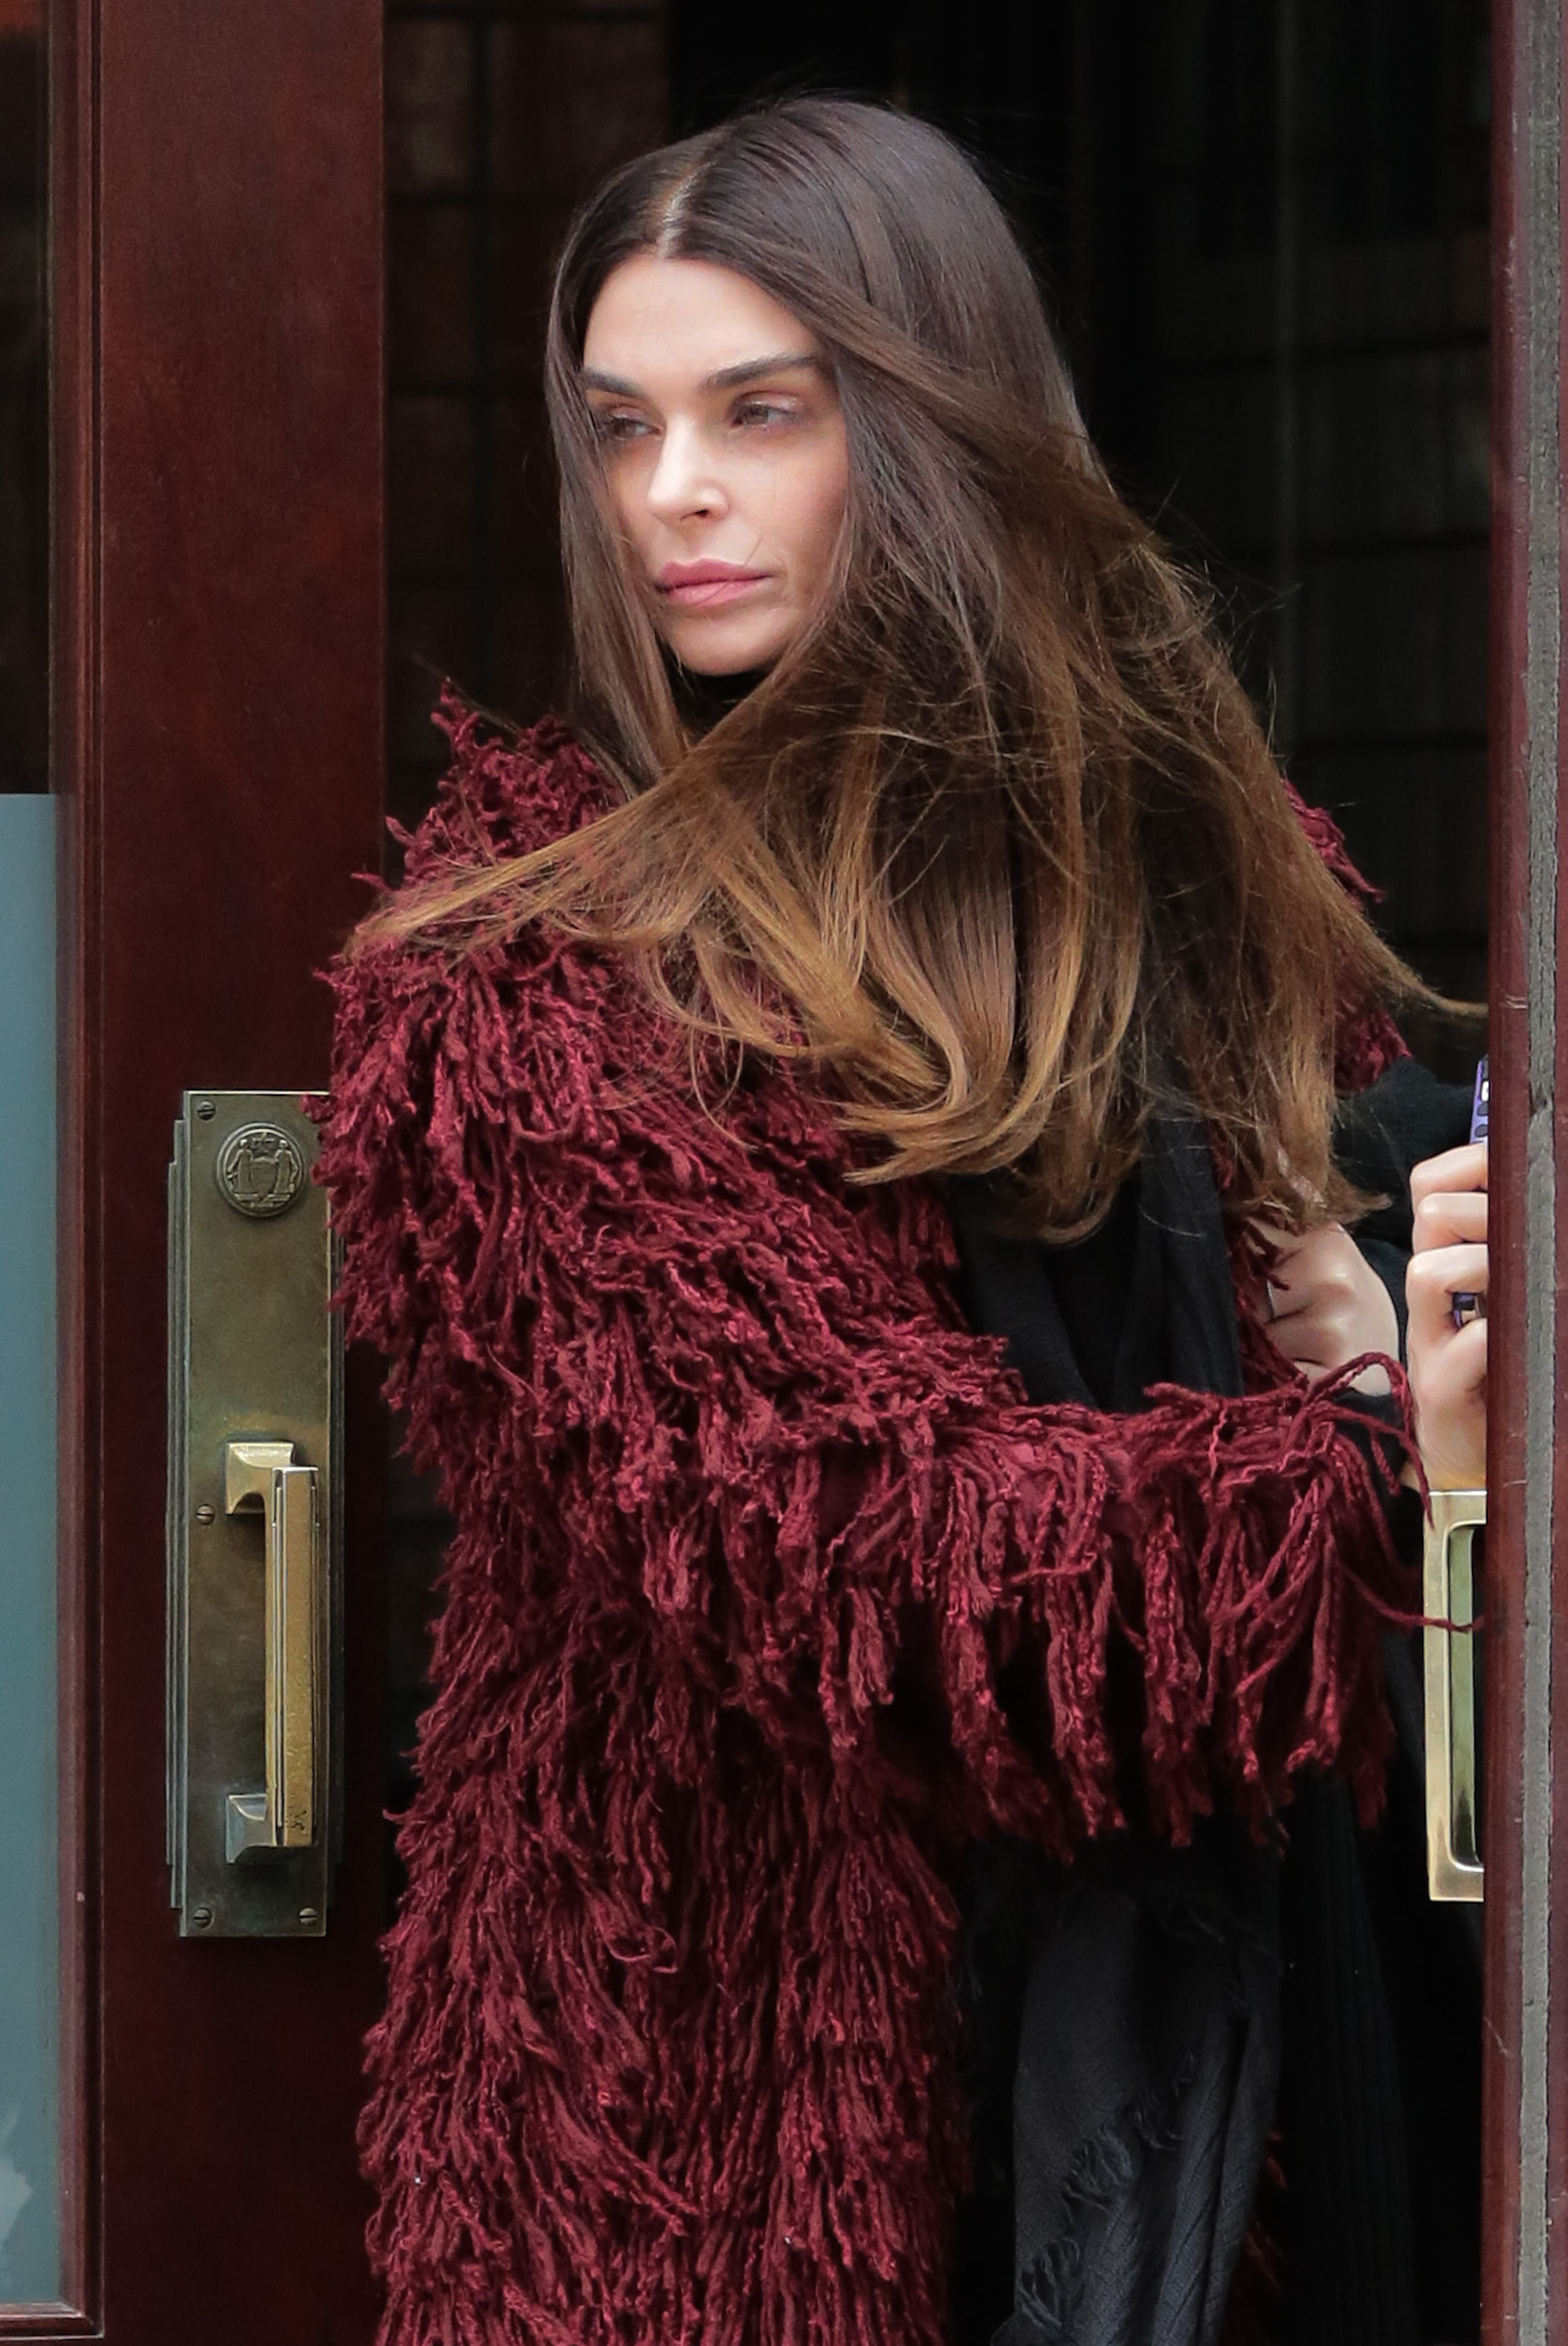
(703, 700)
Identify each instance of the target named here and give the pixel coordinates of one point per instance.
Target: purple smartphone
(1466, 1308)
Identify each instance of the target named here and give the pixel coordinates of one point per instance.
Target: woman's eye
(764, 412)
(616, 427)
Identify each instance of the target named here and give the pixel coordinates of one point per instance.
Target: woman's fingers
(1448, 1359)
(1455, 1170)
(1432, 1282)
(1306, 1266)
(1454, 1374)
(1448, 1382)
(1328, 1305)
(1445, 1217)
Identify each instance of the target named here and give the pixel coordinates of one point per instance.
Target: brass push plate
(254, 1516)
(1454, 1869)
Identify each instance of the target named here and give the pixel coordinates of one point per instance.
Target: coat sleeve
(773, 1449)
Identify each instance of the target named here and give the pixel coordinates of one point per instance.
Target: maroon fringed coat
(747, 1520)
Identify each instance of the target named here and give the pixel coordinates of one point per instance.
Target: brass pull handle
(1454, 1870)
(254, 1771)
(262, 1475)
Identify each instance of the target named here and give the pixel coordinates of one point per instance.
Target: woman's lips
(705, 589)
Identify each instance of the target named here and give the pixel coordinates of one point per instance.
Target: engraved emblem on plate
(260, 1170)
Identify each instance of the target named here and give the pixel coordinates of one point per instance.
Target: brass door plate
(254, 1542)
(1454, 1869)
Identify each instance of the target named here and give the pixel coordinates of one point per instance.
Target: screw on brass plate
(200, 1917)
(205, 1110)
(308, 1914)
(205, 1514)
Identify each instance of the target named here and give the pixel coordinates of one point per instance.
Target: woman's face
(723, 444)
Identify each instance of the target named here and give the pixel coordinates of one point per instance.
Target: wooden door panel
(218, 660)
(1525, 2258)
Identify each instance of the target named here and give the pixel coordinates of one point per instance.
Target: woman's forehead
(689, 321)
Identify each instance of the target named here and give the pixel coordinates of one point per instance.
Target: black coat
(1147, 2022)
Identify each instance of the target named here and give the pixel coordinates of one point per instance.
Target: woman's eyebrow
(726, 379)
(775, 362)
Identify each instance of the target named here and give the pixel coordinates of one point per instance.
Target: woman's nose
(684, 483)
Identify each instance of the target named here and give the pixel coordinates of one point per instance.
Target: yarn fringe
(750, 1528)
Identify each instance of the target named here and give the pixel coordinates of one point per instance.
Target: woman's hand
(1328, 1304)
(1448, 1365)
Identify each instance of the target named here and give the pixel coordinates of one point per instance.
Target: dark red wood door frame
(1525, 2260)
(218, 400)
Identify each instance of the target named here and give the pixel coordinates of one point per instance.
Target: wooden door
(1525, 2270)
(217, 650)
(217, 755)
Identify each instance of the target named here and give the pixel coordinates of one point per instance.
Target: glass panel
(29, 1900)
(30, 2246)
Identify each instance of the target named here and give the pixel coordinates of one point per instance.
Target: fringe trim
(749, 1526)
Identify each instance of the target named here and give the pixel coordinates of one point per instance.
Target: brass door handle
(255, 1549)
(1454, 1870)
(262, 1476)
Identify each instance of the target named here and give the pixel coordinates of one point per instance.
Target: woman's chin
(716, 650)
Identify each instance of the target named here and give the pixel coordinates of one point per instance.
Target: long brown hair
(999, 843)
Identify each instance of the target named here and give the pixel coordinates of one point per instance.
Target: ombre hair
(998, 843)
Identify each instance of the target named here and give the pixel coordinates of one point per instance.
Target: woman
(837, 1149)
